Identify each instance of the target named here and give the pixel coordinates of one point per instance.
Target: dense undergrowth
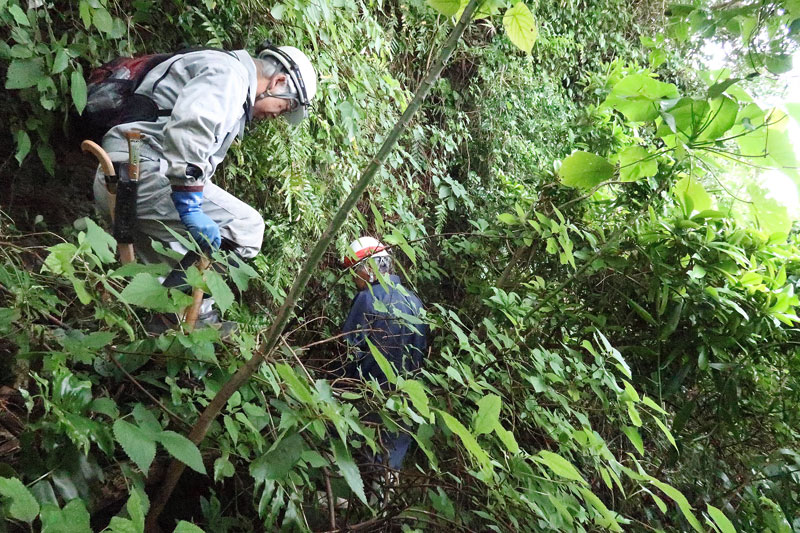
(612, 292)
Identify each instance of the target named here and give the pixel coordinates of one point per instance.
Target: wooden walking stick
(191, 313)
(108, 171)
(121, 192)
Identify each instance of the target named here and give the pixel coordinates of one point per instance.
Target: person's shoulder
(214, 59)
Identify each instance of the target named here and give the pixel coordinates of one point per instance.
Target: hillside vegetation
(587, 210)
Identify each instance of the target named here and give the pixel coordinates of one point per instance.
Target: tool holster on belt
(125, 215)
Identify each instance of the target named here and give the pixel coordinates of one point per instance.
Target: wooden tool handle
(101, 155)
(134, 138)
(193, 310)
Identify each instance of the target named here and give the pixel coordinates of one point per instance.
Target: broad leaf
(638, 97)
(136, 443)
(584, 170)
(692, 194)
(636, 162)
(23, 506)
(219, 290)
(635, 438)
(187, 527)
(606, 519)
(467, 439)
(520, 25)
(276, 463)
(24, 73)
(559, 465)
(183, 450)
(73, 518)
(103, 245)
(23, 146)
(419, 398)
(448, 8)
(683, 504)
(720, 520)
(488, 414)
(146, 291)
(77, 88)
(349, 470)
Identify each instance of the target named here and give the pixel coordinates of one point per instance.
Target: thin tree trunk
(200, 428)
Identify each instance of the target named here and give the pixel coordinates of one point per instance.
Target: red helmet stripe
(361, 254)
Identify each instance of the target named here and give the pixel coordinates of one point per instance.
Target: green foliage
(601, 343)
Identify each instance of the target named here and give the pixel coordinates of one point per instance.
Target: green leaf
(77, 88)
(349, 470)
(183, 450)
(61, 61)
(606, 519)
(467, 439)
(296, 387)
(102, 20)
(146, 291)
(73, 518)
(683, 504)
(692, 194)
(488, 414)
(23, 505)
(722, 117)
(23, 146)
(448, 8)
(102, 244)
(219, 289)
(779, 63)
(136, 443)
(559, 465)
(721, 521)
(19, 15)
(638, 97)
(47, 156)
(636, 162)
(520, 25)
(385, 366)
(419, 398)
(635, 438)
(24, 73)
(507, 438)
(584, 170)
(507, 218)
(633, 414)
(223, 468)
(666, 431)
(187, 527)
(276, 463)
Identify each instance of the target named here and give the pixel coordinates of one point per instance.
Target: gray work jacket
(207, 91)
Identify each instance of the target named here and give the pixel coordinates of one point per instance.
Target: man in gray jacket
(212, 95)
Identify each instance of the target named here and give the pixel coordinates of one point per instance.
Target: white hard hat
(302, 74)
(362, 248)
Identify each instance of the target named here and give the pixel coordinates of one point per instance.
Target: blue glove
(189, 204)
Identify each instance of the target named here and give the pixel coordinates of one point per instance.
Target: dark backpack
(111, 97)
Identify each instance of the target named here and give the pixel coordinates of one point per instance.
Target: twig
(141, 388)
(331, 508)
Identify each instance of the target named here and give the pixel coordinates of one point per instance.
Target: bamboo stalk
(272, 336)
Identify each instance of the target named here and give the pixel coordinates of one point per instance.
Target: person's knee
(249, 232)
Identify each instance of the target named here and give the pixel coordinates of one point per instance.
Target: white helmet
(300, 71)
(362, 248)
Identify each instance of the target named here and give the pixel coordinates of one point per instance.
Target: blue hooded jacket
(389, 316)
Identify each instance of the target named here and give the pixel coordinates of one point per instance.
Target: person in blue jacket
(387, 315)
